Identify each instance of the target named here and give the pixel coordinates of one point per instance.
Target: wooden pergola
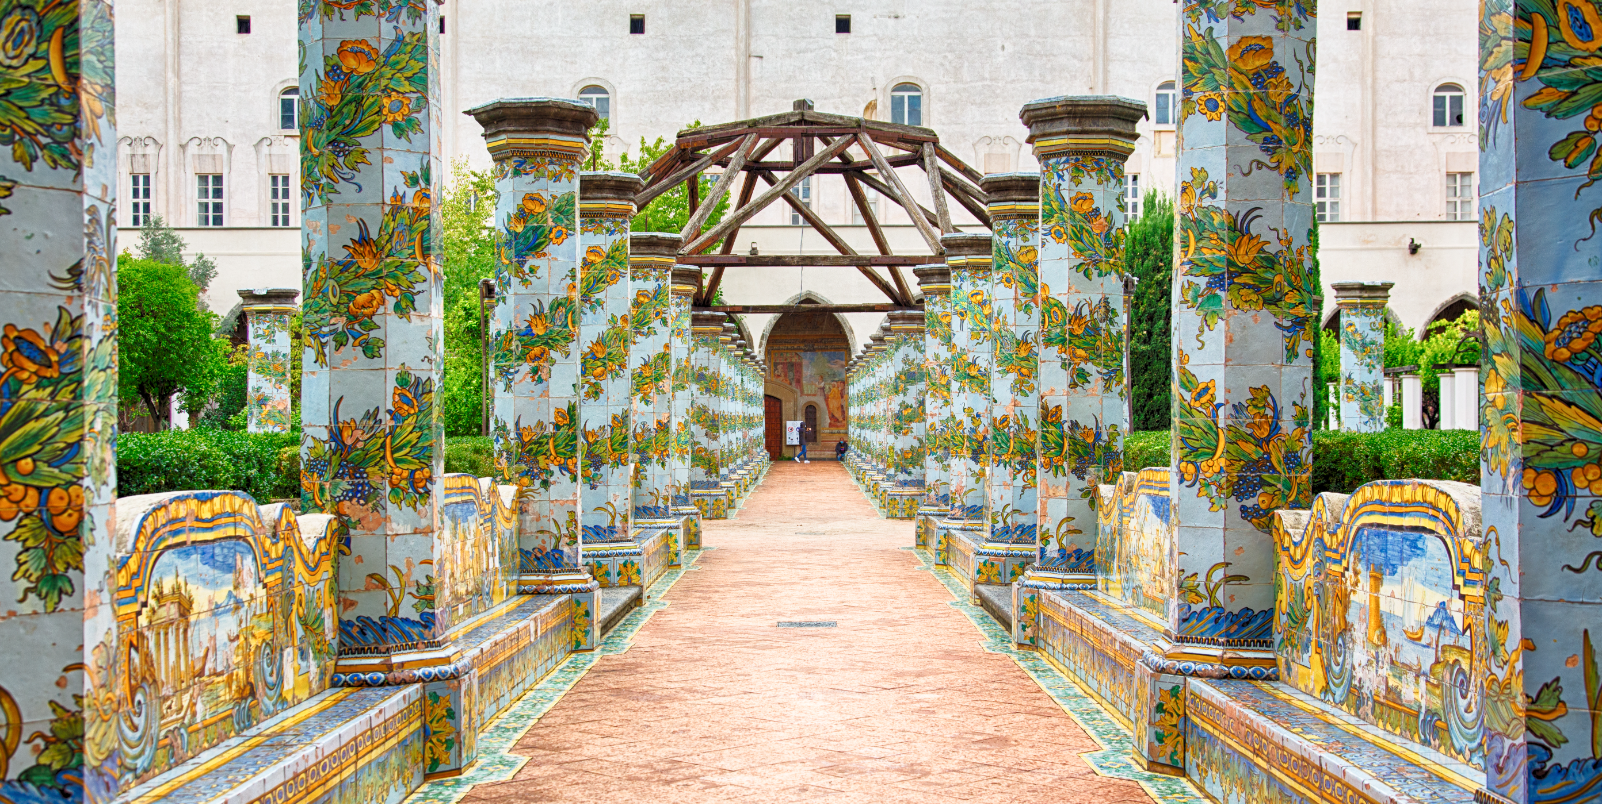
(863, 152)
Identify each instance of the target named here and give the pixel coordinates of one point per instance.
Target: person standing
(802, 450)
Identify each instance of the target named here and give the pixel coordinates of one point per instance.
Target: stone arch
(805, 357)
(1448, 311)
(804, 296)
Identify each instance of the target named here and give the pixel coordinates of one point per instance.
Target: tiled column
(727, 426)
(537, 145)
(267, 316)
(935, 282)
(1014, 203)
(58, 407)
(879, 392)
(1539, 406)
(969, 260)
(1244, 311)
(686, 280)
(706, 493)
(1362, 311)
(651, 259)
(908, 413)
(371, 438)
(1081, 143)
(606, 499)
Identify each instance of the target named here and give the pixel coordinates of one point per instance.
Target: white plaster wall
(185, 76)
(1442, 270)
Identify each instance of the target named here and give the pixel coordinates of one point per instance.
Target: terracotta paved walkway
(898, 703)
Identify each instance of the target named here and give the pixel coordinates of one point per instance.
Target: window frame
(587, 96)
(902, 90)
(292, 94)
(281, 201)
(139, 206)
(1448, 92)
(1328, 197)
(1158, 93)
(210, 202)
(1133, 201)
(803, 191)
(1459, 196)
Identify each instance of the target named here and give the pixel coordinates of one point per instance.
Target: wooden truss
(864, 152)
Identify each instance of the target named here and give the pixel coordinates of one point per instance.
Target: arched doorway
(773, 427)
(807, 357)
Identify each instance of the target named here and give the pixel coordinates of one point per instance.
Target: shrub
(183, 460)
(1345, 461)
(474, 455)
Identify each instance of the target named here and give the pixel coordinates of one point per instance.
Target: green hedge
(265, 465)
(1346, 461)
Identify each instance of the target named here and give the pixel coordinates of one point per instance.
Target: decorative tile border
(1114, 759)
(496, 761)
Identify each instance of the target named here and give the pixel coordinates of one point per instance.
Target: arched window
(1164, 104)
(288, 115)
(1448, 106)
(599, 99)
(907, 105)
(810, 419)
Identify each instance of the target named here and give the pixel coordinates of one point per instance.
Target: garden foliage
(1345, 461)
(263, 465)
(1149, 252)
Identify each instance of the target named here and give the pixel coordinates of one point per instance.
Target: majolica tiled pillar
(969, 260)
(908, 413)
(1243, 318)
(706, 493)
(371, 438)
(1539, 404)
(1014, 203)
(267, 392)
(1081, 143)
(686, 280)
(58, 402)
(534, 374)
(606, 499)
(1362, 311)
(727, 427)
(651, 360)
(935, 282)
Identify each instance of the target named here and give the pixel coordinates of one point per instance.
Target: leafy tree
(466, 210)
(1149, 253)
(159, 243)
(164, 338)
(233, 383)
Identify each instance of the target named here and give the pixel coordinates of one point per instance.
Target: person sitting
(840, 450)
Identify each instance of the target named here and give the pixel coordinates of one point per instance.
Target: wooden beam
(694, 225)
(900, 160)
(657, 188)
(792, 179)
(958, 164)
(835, 240)
(905, 198)
(804, 260)
(807, 308)
(938, 194)
(712, 286)
(747, 186)
(862, 201)
(880, 187)
(693, 191)
(959, 191)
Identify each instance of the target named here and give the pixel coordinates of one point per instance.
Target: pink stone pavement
(898, 703)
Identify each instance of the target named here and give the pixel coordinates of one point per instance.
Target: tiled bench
(337, 743)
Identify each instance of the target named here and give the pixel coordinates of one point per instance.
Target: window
(442, 24)
(280, 200)
(1133, 196)
(288, 116)
(1328, 197)
(598, 98)
(242, 24)
(139, 198)
(843, 23)
(637, 23)
(874, 209)
(907, 102)
(1448, 106)
(1353, 20)
(1164, 104)
(209, 198)
(803, 192)
(1461, 197)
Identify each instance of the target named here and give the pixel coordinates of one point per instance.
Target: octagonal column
(606, 204)
(1539, 400)
(907, 423)
(685, 280)
(534, 372)
(1014, 202)
(1082, 144)
(267, 391)
(1362, 311)
(935, 282)
(969, 261)
(371, 439)
(651, 260)
(706, 493)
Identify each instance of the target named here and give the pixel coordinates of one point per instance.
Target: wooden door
(773, 427)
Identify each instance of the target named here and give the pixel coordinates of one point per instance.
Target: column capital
(728, 332)
(686, 279)
(603, 192)
(1096, 125)
(1361, 293)
(934, 279)
(705, 323)
(904, 322)
(532, 127)
(654, 244)
(268, 298)
(1012, 193)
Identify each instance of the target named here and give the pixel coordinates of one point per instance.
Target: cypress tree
(1149, 252)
